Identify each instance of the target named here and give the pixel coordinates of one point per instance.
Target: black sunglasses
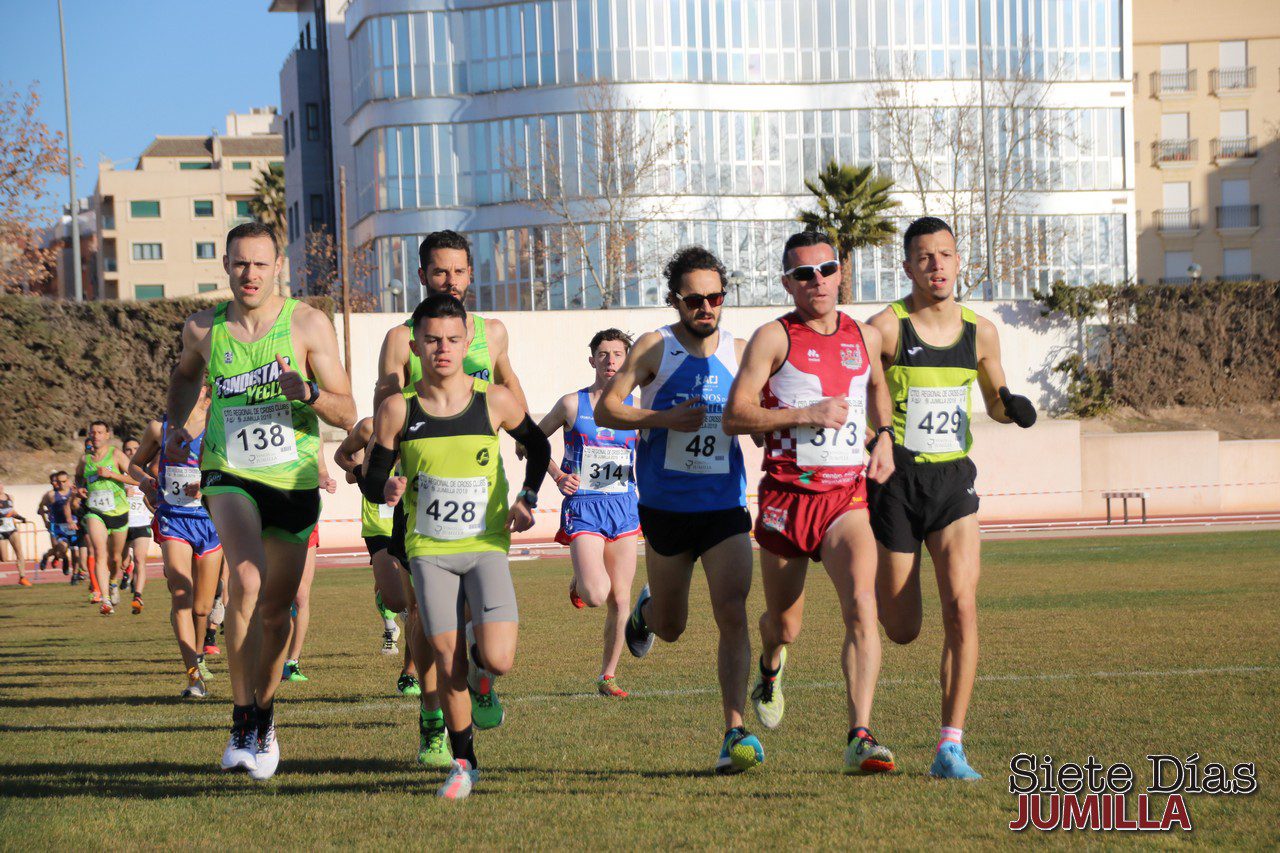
(694, 300)
(807, 272)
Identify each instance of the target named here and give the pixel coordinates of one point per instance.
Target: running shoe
(195, 685)
(292, 672)
(137, 603)
(433, 746)
(486, 707)
(639, 640)
(607, 685)
(106, 609)
(242, 746)
(114, 591)
(24, 582)
(203, 668)
(574, 598)
(741, 751)
(389, 646)
(126, 580)
(212, 649)
(461, 779)
(95, 597)
(408, 685)
(951, 763)
(867, 755)
(766, 696)
(266, 758)
(76, 578)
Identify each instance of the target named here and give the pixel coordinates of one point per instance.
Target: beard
(698, 331)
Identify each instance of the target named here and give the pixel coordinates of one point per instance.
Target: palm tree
(268, 204)
(851, 206)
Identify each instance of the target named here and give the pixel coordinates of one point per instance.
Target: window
(1237, 263)
(206, 251)
(276, 164)
(1235, 192)
(148, 251)
(203, 208)
(1177, 266)
(206, 287)
(192, 165)
(316, 208)
(313, 122)
(241, 165)
(148, 291)
(243, 210)
(144, 209)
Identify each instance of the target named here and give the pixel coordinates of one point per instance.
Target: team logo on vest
(604, 433)
(261, 383)
(813, 355)
(482, 456)
(851, 356)
(774, 518)
(227, 357)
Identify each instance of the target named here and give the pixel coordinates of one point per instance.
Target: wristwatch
(530, 498)
(315, 392)
(879, 432)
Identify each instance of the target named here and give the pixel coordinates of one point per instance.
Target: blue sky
(142, 68)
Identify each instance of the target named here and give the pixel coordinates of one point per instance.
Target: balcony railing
(109, 264)
(1177, 82)
(1234, 147)
(108, 222)
(1173, 151)
(1177, 219)
(1243, 276)
(1177, 279)
(1237, 216)
(1232, 79)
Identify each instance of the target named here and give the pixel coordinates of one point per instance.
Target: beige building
(1207, 124)
(162, 225)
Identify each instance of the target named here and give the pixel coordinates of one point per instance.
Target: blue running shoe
(741, 751)
(950, 763)
(639, 640)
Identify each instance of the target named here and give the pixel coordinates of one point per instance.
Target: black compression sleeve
(381, 460)
(537, 452)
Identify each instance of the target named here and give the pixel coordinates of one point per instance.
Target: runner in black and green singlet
(458, 527)
(934, 351)
(101, 478)
(274, 370)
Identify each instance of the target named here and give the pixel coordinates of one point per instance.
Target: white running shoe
(115, 594)
(217, 612)
(267, 757)
(389, 646)
(461, 779)
(239, 754)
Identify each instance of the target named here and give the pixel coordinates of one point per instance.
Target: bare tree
(319, 275)
(935, 146)
(597, 178)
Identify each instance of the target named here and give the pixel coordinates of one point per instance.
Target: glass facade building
(465, 117)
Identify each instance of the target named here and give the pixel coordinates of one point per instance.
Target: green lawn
(1114, 647)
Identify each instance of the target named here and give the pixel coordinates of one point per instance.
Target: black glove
(1019, 409)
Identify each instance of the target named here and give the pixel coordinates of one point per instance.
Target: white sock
(951, 734)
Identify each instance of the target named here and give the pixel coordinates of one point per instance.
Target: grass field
(1113, 647)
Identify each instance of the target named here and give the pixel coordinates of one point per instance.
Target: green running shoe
(292, 672)
(433, 746)
(408, 685)
(203, 668)
(766, 696)
(486, 707)
(866, 755)
(740, 752)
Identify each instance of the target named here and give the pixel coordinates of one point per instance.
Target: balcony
(1173, 152)
(1178, 279)
(109, 265)
(1234, 148)
(1166, 84)
(1243, 276)
(1177, 220)
(1237, 217)
(1227, 81)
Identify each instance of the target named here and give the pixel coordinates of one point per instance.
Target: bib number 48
(701, 445)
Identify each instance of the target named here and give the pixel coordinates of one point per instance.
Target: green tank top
(253, 432)
(457, 497)
(477, 362)
(932, 388)
(106, 497)
(375, 519)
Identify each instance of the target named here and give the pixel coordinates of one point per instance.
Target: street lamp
(397, 290)
(1194, 271)
(737, 279)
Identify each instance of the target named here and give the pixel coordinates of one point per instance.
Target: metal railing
(1173, 82)
(1177, 219)
(1177, 279)
(1234, 147)
(1237, 216)
(1244, 276)
(1173, 151)
(1232, 79)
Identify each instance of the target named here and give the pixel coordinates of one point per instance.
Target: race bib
(103, 500)
(839, 448)
(139, 515)
(7, 525)
(937, 419)
(606, 469)
(451, 508)
(176, 480)
(385, 511)
(703, 452)
(259, 436)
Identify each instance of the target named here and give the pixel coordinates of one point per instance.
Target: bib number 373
(451, 508)
(937, 419)
(260, 436)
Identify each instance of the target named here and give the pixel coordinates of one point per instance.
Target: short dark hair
(59, 474)
(690, 259)
(102, 424)
(253, 229)
(922, 226)
(806, 238)
(439, 305)
(610, 335)
(442, 240)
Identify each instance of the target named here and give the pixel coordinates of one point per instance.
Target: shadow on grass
(172, 728)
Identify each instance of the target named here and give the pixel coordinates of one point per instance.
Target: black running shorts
(288, 514)
(671, 533)
(138, 533)
(919, 499)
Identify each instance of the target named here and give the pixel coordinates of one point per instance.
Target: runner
(102, 485)
(693, 495)
(138, 540)
(216, 614)
(53, 510)
(445, 432)
(189, 544)
(808, 383)
(300, 613)
(9, 538)
(81, 553)
(934, 349)
(274, 366)
(599, 519)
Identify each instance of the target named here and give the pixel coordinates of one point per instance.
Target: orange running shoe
(95, 598)
(608, 686)
(137, 603)
(106, 609)
(574, 598)
(24, 582)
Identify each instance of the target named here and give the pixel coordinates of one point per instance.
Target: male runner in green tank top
(101, 477)
(275, 372)
(934, 349)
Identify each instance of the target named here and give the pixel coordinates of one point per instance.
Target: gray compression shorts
(445, 582)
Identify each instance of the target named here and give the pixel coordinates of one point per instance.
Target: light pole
(737, 279)
(71, 166)
(396, 290)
